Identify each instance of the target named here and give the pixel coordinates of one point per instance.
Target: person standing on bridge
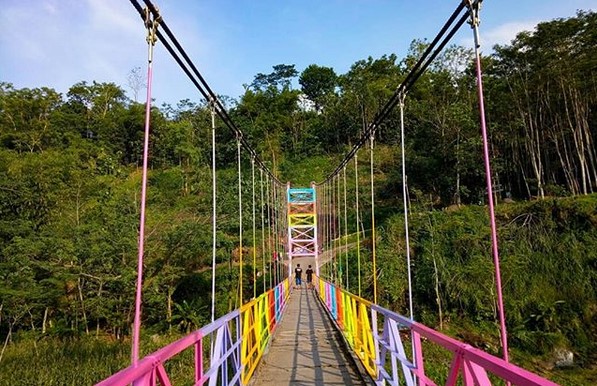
(309, 273)
(298, 273)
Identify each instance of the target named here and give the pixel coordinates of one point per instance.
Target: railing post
(240, 366)
(418, 359)
(454, 369)
(198, 360)
(376, 345)
(340, 308)
(147, 379)
(333, 309)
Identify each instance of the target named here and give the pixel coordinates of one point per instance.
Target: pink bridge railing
(374, 335)
(226, 351)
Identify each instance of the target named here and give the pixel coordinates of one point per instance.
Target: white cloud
(118, 15)
(111, 41)
(505, 33)
(57, 43)
(62, 42)
(50, 6)
(502, 34)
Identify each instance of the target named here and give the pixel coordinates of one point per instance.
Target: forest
(70, 183)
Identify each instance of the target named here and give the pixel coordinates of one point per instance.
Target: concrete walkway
(306, 348)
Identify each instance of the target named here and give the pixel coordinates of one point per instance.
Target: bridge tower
(302, 226)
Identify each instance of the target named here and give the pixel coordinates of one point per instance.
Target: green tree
(318, 83)
(546, 77)
(26, 118)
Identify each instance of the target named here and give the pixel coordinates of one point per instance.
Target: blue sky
(57, 43)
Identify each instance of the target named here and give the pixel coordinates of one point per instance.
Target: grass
(83, 361)
(56, 362)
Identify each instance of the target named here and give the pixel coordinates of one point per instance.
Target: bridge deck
(306, 348)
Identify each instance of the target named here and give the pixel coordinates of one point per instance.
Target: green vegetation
(70, 186)
(548, 260)
(83, 361)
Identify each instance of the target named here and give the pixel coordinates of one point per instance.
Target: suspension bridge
(327, 332)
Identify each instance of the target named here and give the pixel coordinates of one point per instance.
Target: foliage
(318, 83)
(548, 253)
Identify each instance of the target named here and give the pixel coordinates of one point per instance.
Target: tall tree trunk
(571, 166)
(531, 141)
(99, 296)
(8, 337)
(83, 306)
(44, 321)
(579, 145)
(565, 167)
(169, 292)
(438, 298)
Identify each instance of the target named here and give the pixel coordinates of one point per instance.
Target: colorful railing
(351, 314)
(260, 318)
(226, 351)
(374, 335)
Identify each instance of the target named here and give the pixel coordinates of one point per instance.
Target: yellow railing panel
(356, 324)
(258, 323)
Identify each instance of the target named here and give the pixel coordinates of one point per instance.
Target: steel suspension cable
(432, 51)
(275, 233)
(373, 235)
(327, 228)
(151, 23)
(330, 235)
(426, 58)
(283, 228)
(286, 230)
(214, 224)
(317, 246)
(262, 229)
(254, 226)
(405, 205)
(333, 229)
(178, 53)
(280, 222)
(318, 218)
(284, 240)
(269, 231)
(182, 59)
(339, 232)
(324, 226)
(240, 223)
(278, 234)
(358, 229)
(474, 8)
(326, 236)
(346, 230)
(276, 229)
(281, 233)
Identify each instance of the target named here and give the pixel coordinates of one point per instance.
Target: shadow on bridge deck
(307, 349)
